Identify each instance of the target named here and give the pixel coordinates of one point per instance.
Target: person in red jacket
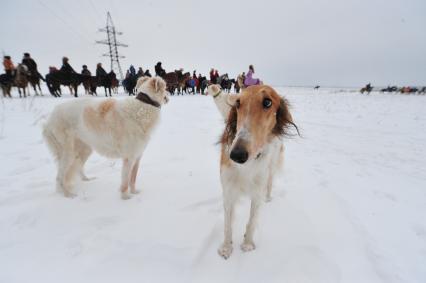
(9, 68)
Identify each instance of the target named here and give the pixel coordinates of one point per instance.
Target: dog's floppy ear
(284, 120)
(141, 81)
(231, 126)
(158, 84)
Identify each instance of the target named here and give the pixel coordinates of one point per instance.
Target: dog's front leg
(225, 249)
(248, 244)
(125, 178)
(133, 177)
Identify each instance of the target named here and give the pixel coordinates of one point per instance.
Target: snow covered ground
(350, 205)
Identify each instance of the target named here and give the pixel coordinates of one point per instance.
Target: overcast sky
(299, 42)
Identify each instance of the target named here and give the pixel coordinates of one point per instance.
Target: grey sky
(303, 42)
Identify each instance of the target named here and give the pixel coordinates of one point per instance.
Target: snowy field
(350, 205)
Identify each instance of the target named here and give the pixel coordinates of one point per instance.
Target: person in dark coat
(140, 72)
(159, 71)
(66, 67)
(147, 73)
(31, 65)
(132, 71)
(85, 71)
(100, 72)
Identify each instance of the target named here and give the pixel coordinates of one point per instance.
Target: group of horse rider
(27, 61)
(31, 66)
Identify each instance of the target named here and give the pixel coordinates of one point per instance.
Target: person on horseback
(140, 72)
(32, 66)
(249, 80)
(66, 67)
(9, 68)
(100, 72)
(132, 71)
(85, 71)
(159, 71)
(147, 73)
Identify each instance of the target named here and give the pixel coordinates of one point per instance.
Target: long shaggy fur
(113, 128)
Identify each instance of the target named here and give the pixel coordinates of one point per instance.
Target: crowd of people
(193, 81)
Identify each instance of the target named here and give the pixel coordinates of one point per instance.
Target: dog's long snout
(239, 154)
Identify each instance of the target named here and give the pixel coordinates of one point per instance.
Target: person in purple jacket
(249, 80)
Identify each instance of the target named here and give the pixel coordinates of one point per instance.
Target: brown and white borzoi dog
(113, 128)
(252, 152)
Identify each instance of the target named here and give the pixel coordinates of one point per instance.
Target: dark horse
(90, 83)
(368, 88)
(57, 78)
(129, 84)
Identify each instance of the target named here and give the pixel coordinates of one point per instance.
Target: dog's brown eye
(237, 103)
(267, 103)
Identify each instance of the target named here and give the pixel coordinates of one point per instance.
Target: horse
(182, 81)
(57, 78)
(114, 85)
(129, 84)
(408, 90)
(34, 80)
(106, 82)
(171, 81)
(6, 85)
(389, 89)
(226, 83)
(368, 88)
(21, 79)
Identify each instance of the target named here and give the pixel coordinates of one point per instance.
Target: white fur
(254, 179)
(113, 128)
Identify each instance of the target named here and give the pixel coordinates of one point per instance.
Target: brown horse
(21, 79)
(171, 81)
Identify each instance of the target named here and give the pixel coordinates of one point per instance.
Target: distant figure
(368, 88)
(85, 71)
(147, 73)
(249, 80)
(214, 75)
(9, 68)
(100, 72)
(159, 71)
(132, 71)
(66, 67)
(140, 73)
(317, 87)
(31, 65)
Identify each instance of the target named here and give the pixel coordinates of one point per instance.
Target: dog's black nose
(239, 155)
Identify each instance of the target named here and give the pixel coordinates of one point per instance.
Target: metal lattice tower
(112, 43)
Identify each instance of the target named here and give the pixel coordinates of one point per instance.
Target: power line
(113, 45)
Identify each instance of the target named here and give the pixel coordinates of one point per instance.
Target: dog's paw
(135, 192)
(68, 194)
(86, 179)
(125, 196)
(225, 251)
(248, 246)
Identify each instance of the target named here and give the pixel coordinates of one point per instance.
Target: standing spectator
(66, 67)
(85, 71)
(9, 68)
(249, 80)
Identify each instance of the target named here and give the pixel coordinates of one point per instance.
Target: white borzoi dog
(113, 128)
(252, 152)
(221, 99)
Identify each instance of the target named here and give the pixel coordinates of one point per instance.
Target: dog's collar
(141, 96)
(217, 94)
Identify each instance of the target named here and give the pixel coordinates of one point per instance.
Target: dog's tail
(52, 143)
